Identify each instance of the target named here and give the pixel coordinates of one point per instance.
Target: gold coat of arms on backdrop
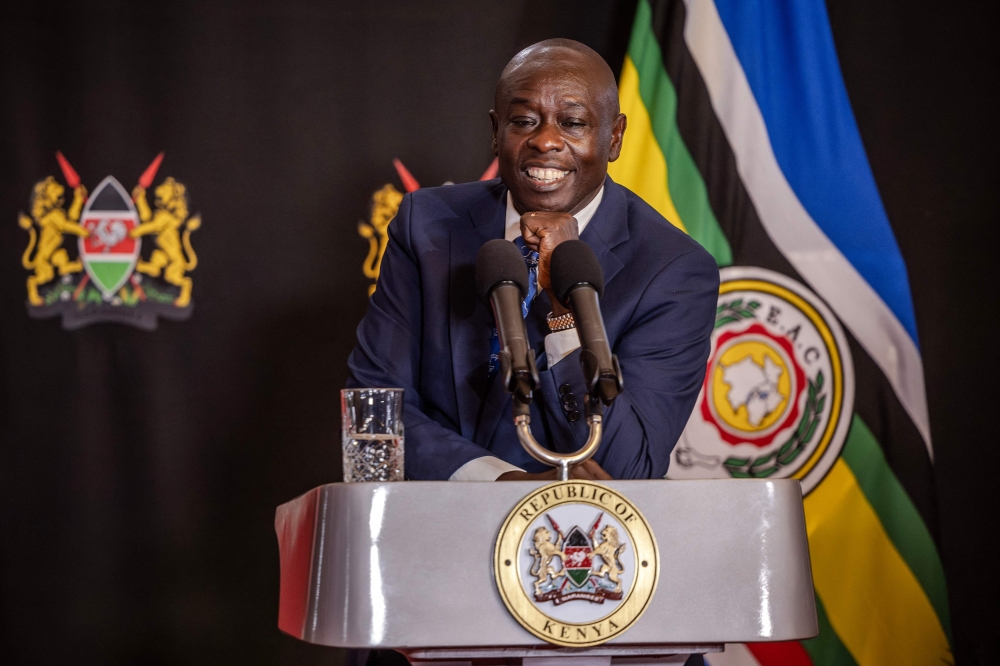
(384, 204)
(109, 280)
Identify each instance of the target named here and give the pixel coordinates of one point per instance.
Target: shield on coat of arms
(578, 551)
(109, 253)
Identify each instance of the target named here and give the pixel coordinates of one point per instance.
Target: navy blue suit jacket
(426, 332)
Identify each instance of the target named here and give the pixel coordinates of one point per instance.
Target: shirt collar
(512, 228)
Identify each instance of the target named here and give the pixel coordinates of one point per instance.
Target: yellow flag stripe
(642, 167)
(872, 599)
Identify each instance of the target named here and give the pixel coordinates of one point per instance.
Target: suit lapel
(470, 322)
(608, 229)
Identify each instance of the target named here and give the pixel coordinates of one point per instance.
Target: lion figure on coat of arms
(544, 551)
(174, 255)
(53, 221)
(610, 550)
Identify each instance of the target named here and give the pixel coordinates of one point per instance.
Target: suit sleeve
(388, 356)
(662, 353)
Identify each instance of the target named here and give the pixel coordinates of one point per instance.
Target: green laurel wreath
(732, 311)
(766, 465)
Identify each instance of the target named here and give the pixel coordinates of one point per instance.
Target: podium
(409, 566)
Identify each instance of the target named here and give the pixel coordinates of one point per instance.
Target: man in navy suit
(556, 126)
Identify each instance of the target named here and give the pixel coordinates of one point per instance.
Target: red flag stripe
(780, 654)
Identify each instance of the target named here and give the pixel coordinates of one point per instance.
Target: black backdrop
(139, 471)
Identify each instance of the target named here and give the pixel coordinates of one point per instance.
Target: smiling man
(556, 126)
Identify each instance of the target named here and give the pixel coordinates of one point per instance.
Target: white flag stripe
(736, 654)
(788, 223)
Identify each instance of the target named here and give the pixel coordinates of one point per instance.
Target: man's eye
(522, 122)
(573, 123)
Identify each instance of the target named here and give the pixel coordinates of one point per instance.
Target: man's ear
(494, 123)
(617, 136)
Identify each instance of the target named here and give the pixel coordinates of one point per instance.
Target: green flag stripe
(826, 649)
(898, 515)
(686, 186)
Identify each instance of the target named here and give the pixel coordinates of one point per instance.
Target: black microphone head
(499, 261)
(573, 263)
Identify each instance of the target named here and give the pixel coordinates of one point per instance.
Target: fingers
(587, 471)
(527, 476)
(590, 471)
(539, 227)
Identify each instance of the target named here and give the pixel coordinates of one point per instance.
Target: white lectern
(410, 566)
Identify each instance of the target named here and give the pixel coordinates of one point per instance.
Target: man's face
(554, 136)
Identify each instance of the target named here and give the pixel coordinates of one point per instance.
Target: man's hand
(542, 232)
(588, 470)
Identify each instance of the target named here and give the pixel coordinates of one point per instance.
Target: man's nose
(547, 138)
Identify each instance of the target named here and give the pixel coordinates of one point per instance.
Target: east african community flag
(740, 132)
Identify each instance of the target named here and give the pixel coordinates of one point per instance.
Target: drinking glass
(372, 434)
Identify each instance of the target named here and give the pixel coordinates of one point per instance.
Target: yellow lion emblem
(385, 203)
(544, 551)
(47, 212)
(174, 255)
(609, 551)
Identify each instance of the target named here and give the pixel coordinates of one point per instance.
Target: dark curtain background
(139, 471)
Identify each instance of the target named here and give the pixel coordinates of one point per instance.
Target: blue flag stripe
(787, 53)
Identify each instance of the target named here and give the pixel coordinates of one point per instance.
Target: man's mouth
(546, 175)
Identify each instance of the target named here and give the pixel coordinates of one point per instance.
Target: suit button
(569, 402)
(573, 416)
(564, 389)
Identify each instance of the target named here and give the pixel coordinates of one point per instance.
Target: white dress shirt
(557, 347)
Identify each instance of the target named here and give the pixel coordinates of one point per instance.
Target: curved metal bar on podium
(561, 461)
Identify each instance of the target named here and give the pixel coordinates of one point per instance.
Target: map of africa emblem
(110, 280)
(779, 388)
(576, 563)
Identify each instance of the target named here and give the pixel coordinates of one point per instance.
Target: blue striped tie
(531, 261)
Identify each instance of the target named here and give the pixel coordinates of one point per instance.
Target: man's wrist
(558, 309)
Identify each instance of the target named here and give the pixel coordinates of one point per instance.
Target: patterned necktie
(531, 261)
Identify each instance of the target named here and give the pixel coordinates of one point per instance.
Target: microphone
(578, 283)
(502, 283)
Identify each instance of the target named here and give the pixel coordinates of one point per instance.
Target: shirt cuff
(486, 468)
(560, 345)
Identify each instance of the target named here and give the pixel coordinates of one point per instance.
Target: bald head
(561, 57)
(556, 125)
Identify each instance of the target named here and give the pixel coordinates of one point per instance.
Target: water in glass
(372, 434)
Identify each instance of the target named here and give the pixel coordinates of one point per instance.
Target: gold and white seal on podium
(576, 563)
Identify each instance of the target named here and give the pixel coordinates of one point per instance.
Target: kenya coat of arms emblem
(109, 280)
(583, 584)
(579, 553)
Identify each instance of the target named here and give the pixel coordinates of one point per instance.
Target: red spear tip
(410, 183)
(555, 525)
(597, 524)
(491, 170)
(146, 179)
(72, 178)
